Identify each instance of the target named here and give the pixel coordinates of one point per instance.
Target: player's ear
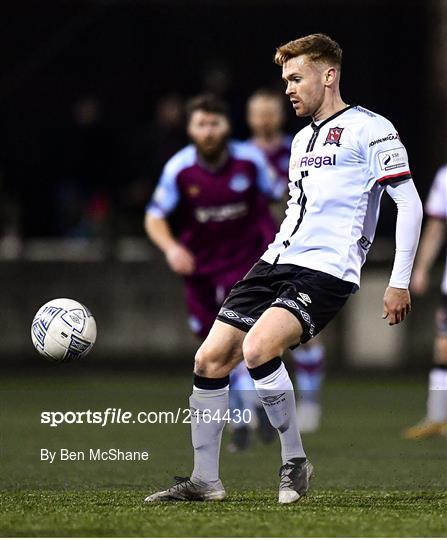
(330, 76)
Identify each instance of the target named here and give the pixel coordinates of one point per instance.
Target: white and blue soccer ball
(63, 330)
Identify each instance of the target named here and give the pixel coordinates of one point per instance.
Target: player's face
(265, 115)
(209, 132)
(305, 84)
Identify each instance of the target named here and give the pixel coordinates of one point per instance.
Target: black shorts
(313, 297)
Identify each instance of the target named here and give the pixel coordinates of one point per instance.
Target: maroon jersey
(223, 217)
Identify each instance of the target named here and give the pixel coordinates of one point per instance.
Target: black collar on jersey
(324, 122)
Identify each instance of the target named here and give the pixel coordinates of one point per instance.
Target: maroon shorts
(205, 295)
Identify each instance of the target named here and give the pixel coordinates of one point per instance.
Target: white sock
(206, 433)
(437, 395)
(278, 398)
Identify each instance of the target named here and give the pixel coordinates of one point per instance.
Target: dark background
(127, 55)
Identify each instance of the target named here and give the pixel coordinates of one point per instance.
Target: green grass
(369, 481)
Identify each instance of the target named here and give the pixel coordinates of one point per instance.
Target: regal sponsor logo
(314, 161)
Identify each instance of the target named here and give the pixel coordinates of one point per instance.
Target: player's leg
(219, 353)
(435, 422)
(241, 391)
(308, 360)
(275, 331)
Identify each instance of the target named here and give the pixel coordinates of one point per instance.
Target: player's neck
(268, 141)
(213, 163)
(331, 105)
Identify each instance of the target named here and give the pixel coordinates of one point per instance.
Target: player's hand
(181, 260)
(396, 305)
(419, 281)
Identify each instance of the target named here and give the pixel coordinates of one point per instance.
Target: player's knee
(257, 351)
(208, 362)
(441, 350)
(202, 361)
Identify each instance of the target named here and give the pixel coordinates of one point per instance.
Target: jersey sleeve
(436, 204)
(166, 195)
(267, 181)
(408, 228)
(385, 155)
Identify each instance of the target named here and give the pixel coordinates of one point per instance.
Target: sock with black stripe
(275, 390)
(208, 403)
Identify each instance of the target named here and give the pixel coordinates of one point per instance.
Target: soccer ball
(63, 330)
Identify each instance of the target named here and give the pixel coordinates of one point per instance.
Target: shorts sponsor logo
(313, 161)
(392, 159)
(304, 298)
(303, 314)
(230, 314)
(333, 136)
(389, 137)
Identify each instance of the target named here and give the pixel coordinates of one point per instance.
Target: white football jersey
(338, 171)
(436, 206)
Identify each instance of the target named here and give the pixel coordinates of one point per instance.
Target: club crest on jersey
(193, 190)
(334, 136)
(239, 183)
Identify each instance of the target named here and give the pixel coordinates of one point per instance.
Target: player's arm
(434, 232)
(387, 161)
(178, 257)
(431, 242)
(396, 301)
(163, 202)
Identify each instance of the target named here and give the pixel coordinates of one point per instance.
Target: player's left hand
(396, 305)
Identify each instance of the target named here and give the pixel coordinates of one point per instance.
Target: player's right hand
(181, 260)
(419, 281)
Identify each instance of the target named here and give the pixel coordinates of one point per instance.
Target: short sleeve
(267, 181)
(436, 204)
(385, 155)
(166, 195)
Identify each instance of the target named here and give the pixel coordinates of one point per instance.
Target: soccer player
(435, 421)
(220, 191)
(341, 164)
(266, 118)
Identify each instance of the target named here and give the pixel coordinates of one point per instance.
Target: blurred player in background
(266, 118)
(221, 192)
(218, 189)
(435, 421)
(341, 164)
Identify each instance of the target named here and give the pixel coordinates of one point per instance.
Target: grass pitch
(369, 481)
